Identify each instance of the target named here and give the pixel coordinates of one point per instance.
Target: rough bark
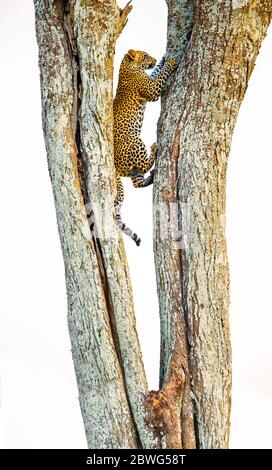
(95, 28)
(218, 42)
(102, 393)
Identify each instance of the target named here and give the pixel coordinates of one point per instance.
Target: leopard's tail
(119, 222)
(124, 228)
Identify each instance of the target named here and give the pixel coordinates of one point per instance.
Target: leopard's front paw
(172, 63)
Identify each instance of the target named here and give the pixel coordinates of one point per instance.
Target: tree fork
(76, 40)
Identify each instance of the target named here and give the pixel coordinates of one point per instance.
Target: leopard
(135, 88)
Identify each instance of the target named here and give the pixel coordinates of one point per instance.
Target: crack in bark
(72, 48)
(81, 165)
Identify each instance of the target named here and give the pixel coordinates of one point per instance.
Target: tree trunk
(216, 43)
(76, 82)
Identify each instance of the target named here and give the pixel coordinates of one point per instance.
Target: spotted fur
(135, 89)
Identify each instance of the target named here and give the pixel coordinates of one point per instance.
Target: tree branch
(123, 19)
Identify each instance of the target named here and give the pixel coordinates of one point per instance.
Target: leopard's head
(140, 59)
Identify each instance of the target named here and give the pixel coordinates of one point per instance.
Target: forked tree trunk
(216, 43)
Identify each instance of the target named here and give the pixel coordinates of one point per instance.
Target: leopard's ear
(132, 54)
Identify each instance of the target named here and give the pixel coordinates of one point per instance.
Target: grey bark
(216, 44)
(102, 394)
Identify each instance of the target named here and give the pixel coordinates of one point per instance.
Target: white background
(39, 405)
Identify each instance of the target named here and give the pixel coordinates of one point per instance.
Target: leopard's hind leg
(120, 191)
(142, 164)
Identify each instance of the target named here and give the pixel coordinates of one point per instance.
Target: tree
(216, 44)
